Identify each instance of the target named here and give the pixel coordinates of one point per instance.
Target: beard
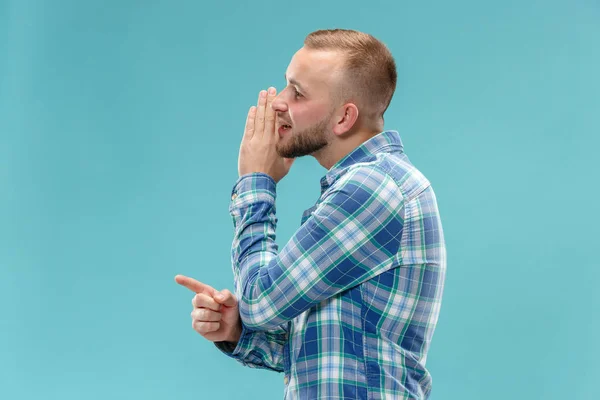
(304, 142)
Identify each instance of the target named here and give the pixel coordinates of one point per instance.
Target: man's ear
(345, 119)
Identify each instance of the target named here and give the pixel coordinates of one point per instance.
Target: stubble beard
(305, 142)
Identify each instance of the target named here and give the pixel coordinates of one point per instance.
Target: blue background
(120, 124)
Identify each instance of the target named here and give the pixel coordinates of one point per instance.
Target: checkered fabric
(347, 308)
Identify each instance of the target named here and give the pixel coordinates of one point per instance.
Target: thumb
(226, 298)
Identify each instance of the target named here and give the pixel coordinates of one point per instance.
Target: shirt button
(286, 380)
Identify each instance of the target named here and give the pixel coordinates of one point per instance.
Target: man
(347, 308)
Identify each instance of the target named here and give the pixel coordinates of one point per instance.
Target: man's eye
(298, 94)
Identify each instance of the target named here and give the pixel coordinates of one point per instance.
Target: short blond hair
(369, 69)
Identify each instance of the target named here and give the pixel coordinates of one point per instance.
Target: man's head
(341, 82)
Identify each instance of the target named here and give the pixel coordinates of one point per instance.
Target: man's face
(305, 108)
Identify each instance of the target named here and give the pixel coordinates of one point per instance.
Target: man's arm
(215, 316)
(353, 235)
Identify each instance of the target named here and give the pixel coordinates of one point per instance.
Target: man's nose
(278, 104)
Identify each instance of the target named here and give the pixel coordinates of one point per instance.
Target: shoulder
(389, 175)
(365, 183)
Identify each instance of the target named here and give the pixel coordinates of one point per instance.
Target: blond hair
(369, 69)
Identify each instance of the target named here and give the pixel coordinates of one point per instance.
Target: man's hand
(257, 151)
(215, 314)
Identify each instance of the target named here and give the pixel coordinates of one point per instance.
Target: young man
(348, 307)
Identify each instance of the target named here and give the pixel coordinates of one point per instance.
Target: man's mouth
(284, 128)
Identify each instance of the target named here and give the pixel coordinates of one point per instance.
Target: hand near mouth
(258, 148)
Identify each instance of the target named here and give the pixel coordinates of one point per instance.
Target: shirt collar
(384, 142)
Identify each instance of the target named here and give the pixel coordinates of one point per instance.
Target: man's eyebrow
(294, 82)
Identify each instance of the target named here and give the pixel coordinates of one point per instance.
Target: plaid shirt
(347, 308)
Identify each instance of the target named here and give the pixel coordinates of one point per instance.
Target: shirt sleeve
(353, 234)
(258, 349)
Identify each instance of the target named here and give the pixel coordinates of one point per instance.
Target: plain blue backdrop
(120, 124)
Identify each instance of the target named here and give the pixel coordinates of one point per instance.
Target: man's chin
(289, 152)
(286, 153)
(293, 149)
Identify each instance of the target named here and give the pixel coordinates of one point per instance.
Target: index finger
(270, 113)
(259, 122)
(194, 285)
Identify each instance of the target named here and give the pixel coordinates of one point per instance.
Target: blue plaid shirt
(347, 308)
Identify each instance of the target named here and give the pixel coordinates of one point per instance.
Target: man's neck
(339, 147)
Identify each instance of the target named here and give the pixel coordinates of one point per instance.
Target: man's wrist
(231, 342)
(250, 183)
(235, 335)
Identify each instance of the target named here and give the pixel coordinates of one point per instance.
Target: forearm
(254, 246)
